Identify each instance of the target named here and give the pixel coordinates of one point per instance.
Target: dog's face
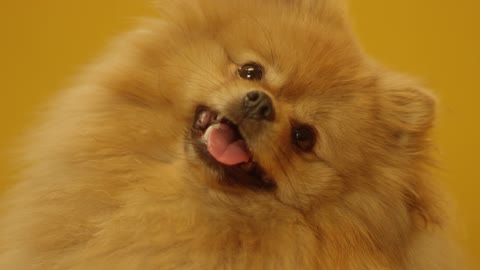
(278, 97)
(273, 100)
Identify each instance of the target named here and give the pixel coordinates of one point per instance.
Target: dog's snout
(259, 106)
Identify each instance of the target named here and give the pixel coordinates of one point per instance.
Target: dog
(232, 135)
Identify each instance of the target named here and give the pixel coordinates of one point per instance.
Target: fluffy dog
(232, 135)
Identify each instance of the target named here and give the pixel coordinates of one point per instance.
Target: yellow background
(43, 43)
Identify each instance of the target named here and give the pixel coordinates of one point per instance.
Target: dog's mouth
(221, 146)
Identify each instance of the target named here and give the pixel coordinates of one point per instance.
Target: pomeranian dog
(233, 134)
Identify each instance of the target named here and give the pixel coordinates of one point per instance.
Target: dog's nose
(259, 106)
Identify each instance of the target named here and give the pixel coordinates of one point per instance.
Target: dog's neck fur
(236, 222)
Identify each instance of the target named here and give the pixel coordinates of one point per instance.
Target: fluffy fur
(113, 181)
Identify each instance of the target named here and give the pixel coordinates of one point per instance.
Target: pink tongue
(222, 145)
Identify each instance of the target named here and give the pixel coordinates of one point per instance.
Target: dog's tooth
(203, 119)
(206, 135)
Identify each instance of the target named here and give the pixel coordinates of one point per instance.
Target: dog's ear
(408, 113)
(331, 10)
(328, 10)
(408, 109)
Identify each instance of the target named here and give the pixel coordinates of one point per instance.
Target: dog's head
(277, 96)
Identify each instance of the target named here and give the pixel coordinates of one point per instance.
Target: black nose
(259, 106)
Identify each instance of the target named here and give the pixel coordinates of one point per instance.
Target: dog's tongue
(223, 146)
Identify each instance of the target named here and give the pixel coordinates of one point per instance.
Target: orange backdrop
(43, 43)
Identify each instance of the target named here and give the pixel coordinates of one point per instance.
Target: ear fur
(330, 9)
(408, 109)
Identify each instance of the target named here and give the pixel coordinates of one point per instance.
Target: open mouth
(220, 144)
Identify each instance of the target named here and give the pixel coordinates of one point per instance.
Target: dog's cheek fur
(395, 117)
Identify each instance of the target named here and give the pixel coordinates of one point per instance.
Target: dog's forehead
(292, 49)
(299, 53)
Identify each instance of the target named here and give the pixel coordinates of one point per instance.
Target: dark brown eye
(251, 71)
(304, 137)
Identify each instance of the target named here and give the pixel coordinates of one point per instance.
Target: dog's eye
(304, 137)
(251, 71)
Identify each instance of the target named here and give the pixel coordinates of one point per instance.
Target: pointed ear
(407, 108)
(335, 10)
(327, 10)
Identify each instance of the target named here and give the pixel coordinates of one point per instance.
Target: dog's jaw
(238, 170)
